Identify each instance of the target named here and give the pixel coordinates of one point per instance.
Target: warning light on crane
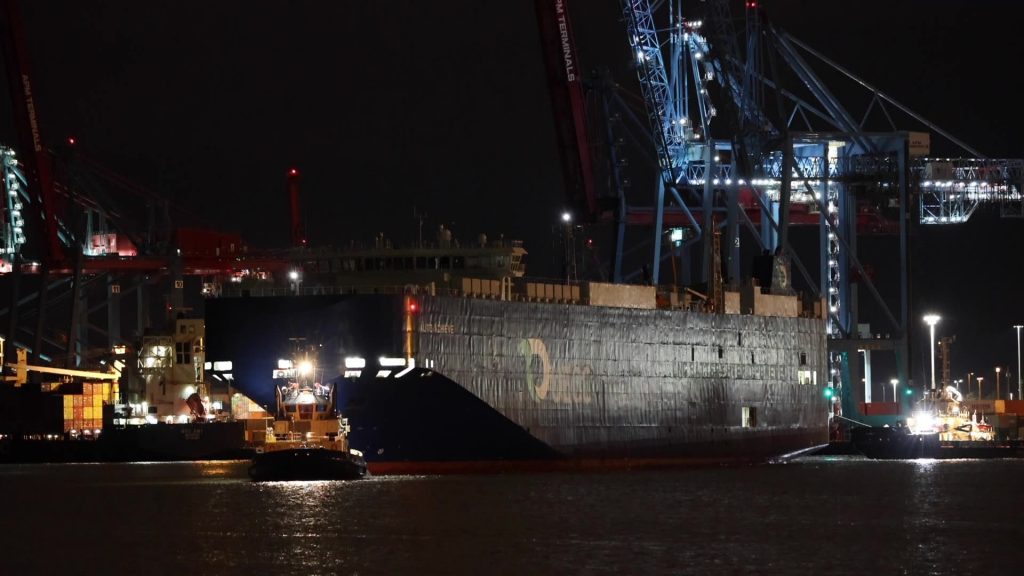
(293, 172)
(71, 140)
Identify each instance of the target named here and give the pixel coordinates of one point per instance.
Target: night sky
(443, 106)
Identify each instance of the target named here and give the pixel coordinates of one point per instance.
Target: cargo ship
(149, 404)
(448, 357)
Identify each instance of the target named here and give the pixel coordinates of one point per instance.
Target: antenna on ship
(420, 217)
(298, 231)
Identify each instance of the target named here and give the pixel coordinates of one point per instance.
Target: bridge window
(183, 353)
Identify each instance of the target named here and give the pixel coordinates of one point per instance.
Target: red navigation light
(412, 306)
(71, 140)
(293, 172)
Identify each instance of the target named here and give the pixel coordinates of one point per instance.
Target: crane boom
(565, 83)
(38, 163)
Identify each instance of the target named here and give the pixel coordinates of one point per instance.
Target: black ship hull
(307, 464)
(147, 443)
(882, 443)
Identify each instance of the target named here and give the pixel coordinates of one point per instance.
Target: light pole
(979, 379)
(931, 320)
(894, 383)
(998, 369)
(570, 256)
(1018, 327)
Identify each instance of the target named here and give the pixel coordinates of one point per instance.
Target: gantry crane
(77, 237)
(747, 136)
(732, 135)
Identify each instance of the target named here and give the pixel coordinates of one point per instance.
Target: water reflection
(840, 516)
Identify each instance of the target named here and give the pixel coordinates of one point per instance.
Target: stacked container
(85, 411)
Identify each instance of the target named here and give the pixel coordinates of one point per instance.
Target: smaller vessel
(937, 429)
(308, 439)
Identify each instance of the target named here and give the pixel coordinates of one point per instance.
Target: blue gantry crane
(723, 148)
(747, 135)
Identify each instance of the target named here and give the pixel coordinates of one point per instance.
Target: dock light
(566, 217)
(675, 235)
(294, 275)
(305, 367)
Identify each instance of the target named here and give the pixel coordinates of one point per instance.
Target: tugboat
(308, 440)
(938, 429)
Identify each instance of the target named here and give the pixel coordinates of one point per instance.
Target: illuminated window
(807, 377)
(749, 417)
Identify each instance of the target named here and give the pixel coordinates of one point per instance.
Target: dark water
(811, 516)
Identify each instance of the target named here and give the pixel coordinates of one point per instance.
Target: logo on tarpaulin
(532, 348)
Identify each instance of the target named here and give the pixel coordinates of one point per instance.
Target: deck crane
(768, 147)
